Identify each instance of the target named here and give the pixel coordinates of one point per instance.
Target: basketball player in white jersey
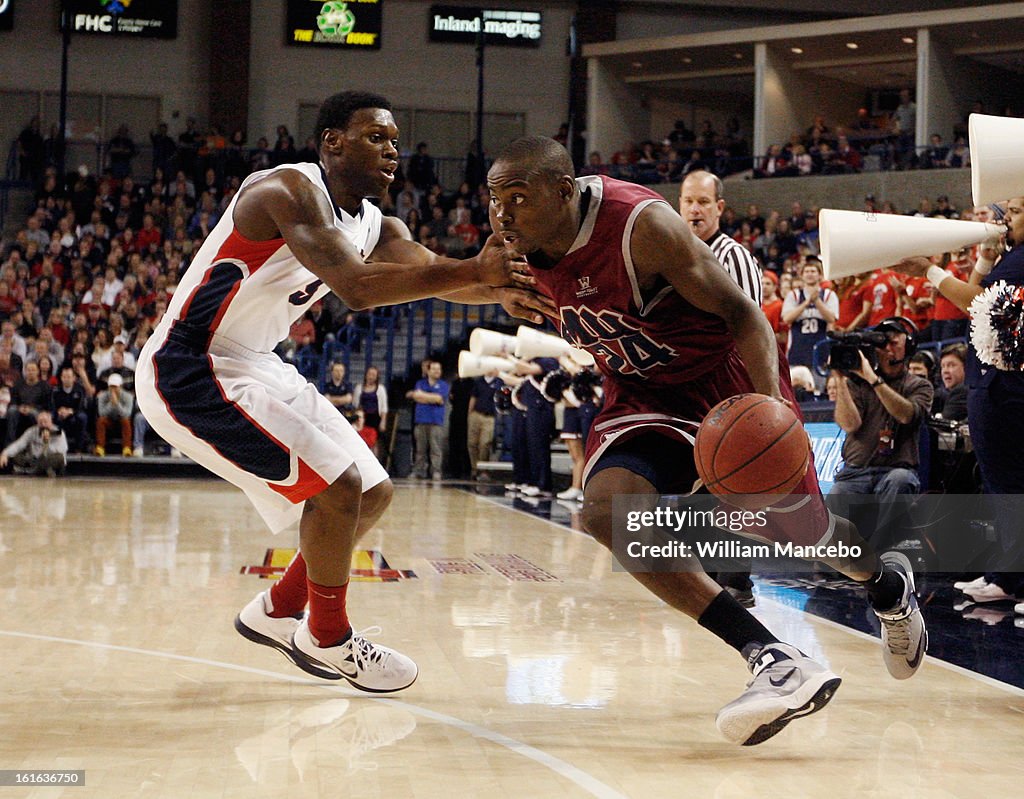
(209, 383)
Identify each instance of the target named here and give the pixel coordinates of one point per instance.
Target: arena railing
(396, 338)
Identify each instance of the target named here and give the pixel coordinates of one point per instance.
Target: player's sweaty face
(524, 208)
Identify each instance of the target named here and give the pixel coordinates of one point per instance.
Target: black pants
(995, 416)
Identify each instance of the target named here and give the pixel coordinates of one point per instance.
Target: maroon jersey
(650, 346)
(666, 362)
(648, 340)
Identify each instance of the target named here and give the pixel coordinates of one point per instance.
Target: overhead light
(852, 45)
(637, 64)
(797, 50)
(908, 39)
(737, 55)
(687, 60)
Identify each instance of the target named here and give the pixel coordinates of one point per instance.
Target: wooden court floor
(542, 672)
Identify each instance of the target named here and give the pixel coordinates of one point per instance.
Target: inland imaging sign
(154, 19)
(461, 25)
(351, 24)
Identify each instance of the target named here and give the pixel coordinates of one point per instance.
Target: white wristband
(936, 274)
(983, 265)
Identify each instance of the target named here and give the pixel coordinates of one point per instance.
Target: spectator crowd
(94, 263)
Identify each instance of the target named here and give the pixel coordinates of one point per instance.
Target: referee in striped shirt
(701, 205)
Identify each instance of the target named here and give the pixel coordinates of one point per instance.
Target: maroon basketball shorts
(650, 431)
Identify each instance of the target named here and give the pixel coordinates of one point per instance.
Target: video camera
(844, 356)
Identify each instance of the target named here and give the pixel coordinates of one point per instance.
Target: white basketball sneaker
(255, 623)
(786, 685)
(904, 637)
(367, 666)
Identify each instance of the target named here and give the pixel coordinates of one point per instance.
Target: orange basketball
(751, 444)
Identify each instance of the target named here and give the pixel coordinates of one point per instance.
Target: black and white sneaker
(256, 624)
(786, 685)
(367, 666)
(904, 637)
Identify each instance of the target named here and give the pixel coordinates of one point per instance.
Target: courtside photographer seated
(881, 406)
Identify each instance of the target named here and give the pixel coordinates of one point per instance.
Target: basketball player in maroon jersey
(674, 335)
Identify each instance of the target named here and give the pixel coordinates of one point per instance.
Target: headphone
(900, 324)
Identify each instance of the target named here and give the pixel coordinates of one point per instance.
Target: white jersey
(251, 292)
(209, 384)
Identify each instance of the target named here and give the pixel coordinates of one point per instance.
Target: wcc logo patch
(623, 347)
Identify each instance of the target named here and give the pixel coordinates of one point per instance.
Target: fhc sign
(94, 23)
(462, 25)
(145, 18)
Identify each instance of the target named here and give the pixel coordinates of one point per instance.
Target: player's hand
(496, 265)
(520, 270)
(526, 304)
(916, 266)
(811, 292)
(3, 461)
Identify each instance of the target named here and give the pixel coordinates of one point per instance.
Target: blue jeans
(884, 482)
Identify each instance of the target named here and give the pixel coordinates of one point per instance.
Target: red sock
(289, 594)
(328, 620)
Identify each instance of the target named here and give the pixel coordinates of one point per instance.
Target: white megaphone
(532, 343)
(490, 342)
(471, 365)
(854, 241)
(997, 163)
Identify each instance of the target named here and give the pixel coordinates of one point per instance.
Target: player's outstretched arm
(286, 204)
(663, 244)
(521, 301)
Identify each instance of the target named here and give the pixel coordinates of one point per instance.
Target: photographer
(881, 406)
(42, 448)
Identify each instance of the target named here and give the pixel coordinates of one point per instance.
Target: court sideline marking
(587, 782)
(982, 678)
